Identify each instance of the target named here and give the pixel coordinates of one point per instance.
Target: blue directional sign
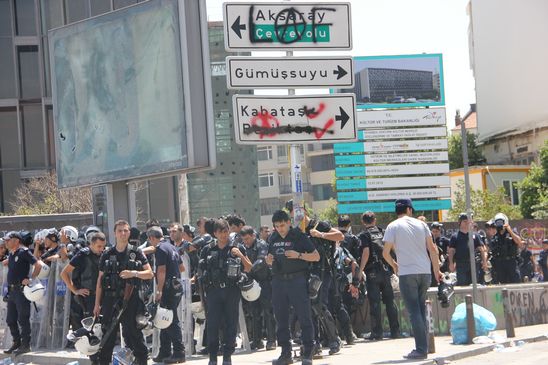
(380, 207)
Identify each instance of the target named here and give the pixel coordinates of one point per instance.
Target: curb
(480, 351)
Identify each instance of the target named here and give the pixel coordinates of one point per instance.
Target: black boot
(16, 344)
(23, 349)
(285, 358)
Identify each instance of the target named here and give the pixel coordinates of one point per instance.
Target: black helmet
(314, 285)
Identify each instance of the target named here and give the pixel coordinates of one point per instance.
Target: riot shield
(61, 309)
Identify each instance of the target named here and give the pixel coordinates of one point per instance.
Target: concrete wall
(528, 307)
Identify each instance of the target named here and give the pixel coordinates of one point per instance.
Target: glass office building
(26, 117)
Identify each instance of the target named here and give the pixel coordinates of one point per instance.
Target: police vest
(376, 262)
(503, 247)
(219, 270)
(112, 282)
(86, 277)
(352, 244)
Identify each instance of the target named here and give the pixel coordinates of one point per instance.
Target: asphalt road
(535, 353)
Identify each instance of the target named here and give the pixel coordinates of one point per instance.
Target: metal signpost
(291, 119)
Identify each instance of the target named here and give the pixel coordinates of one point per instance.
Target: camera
(446, 289)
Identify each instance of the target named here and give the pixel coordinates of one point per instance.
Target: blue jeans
(413, 291)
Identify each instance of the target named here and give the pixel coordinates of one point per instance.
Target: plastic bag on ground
(485, 321)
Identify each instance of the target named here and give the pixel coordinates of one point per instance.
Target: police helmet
(314, 284)
(163, 318)
(40, 235)
(89, 231)
(26, 238)
(52, 234)
(500, 220)
(142, 320)
(197, 309)
(87, 345)
(44, 271)
(71, 233)
(251, 290)
(259, 270)
(34, 291)
(93, 325)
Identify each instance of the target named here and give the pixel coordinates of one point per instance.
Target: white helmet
(87, 345)
(70, 232)
(500, 216)
(89, 231)
(395, 282)
(44, 271)
(197, 309)
(93, 326)
(148, 330)
(251, 291)
(163, 318)
(41, 235)
(34, 291)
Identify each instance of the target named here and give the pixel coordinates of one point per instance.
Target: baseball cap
(14, 234)
(404, 203)
(436, 225)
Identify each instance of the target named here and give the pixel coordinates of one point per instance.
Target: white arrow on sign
(284, 119)
(284, 26)
(289, 72)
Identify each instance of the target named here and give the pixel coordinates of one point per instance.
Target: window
(99, 7)
(76, 10)
(33, 136)
(7, 69)
(322, 163)
(5, 19)
(52, 14)
(511, 190)
(266, 180)
(282, 153)
(24, 18)
(270, 205)
(123, 3)
(264, 153)
(29, 72)
(322, 192)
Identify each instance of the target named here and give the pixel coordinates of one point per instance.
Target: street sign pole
(473, 270)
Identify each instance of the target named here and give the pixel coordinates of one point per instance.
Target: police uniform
(166, 255)
(261, 308)
(84, 276)
(378, 273)
(324, 269)
(111, 264)
(459, 242)
(443, 244)
(18, 316)
(542, 261)
(290, 288)
(504, 259)
(352, 244)
(343, 260)
(219, 274)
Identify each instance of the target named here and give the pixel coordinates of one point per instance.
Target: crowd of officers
(298, 285)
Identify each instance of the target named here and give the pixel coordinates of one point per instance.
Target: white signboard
(410, 193)
(290, 72)
(376, 134)
(393, 182)
(285, 119)
(287, 25)
(392, 146)
(386, 158)
(393, 170)
(401, 118)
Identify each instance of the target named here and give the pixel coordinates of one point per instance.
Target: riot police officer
(257, 250)
(442, 244)
(121, 267)
(18, 316)
(168, 294)
(350, 241)
(378, 273)
(289, 253)
(543, 260)
(220, 270)
(504, 249)
(80, 276)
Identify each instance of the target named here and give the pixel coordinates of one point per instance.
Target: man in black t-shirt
(289, 253)
(168, 294)
(80, 276)
(459, 255)
(121, 267)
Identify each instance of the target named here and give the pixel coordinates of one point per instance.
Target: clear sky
(392, 27)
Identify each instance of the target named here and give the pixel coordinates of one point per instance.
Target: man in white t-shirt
(412, 241)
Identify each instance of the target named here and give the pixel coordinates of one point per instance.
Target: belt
(290, 276)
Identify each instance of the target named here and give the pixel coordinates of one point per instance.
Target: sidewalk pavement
(363, 352)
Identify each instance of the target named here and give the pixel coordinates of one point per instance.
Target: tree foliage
(534, 188)
(475, 154)
(484, 204)
(42, 196)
